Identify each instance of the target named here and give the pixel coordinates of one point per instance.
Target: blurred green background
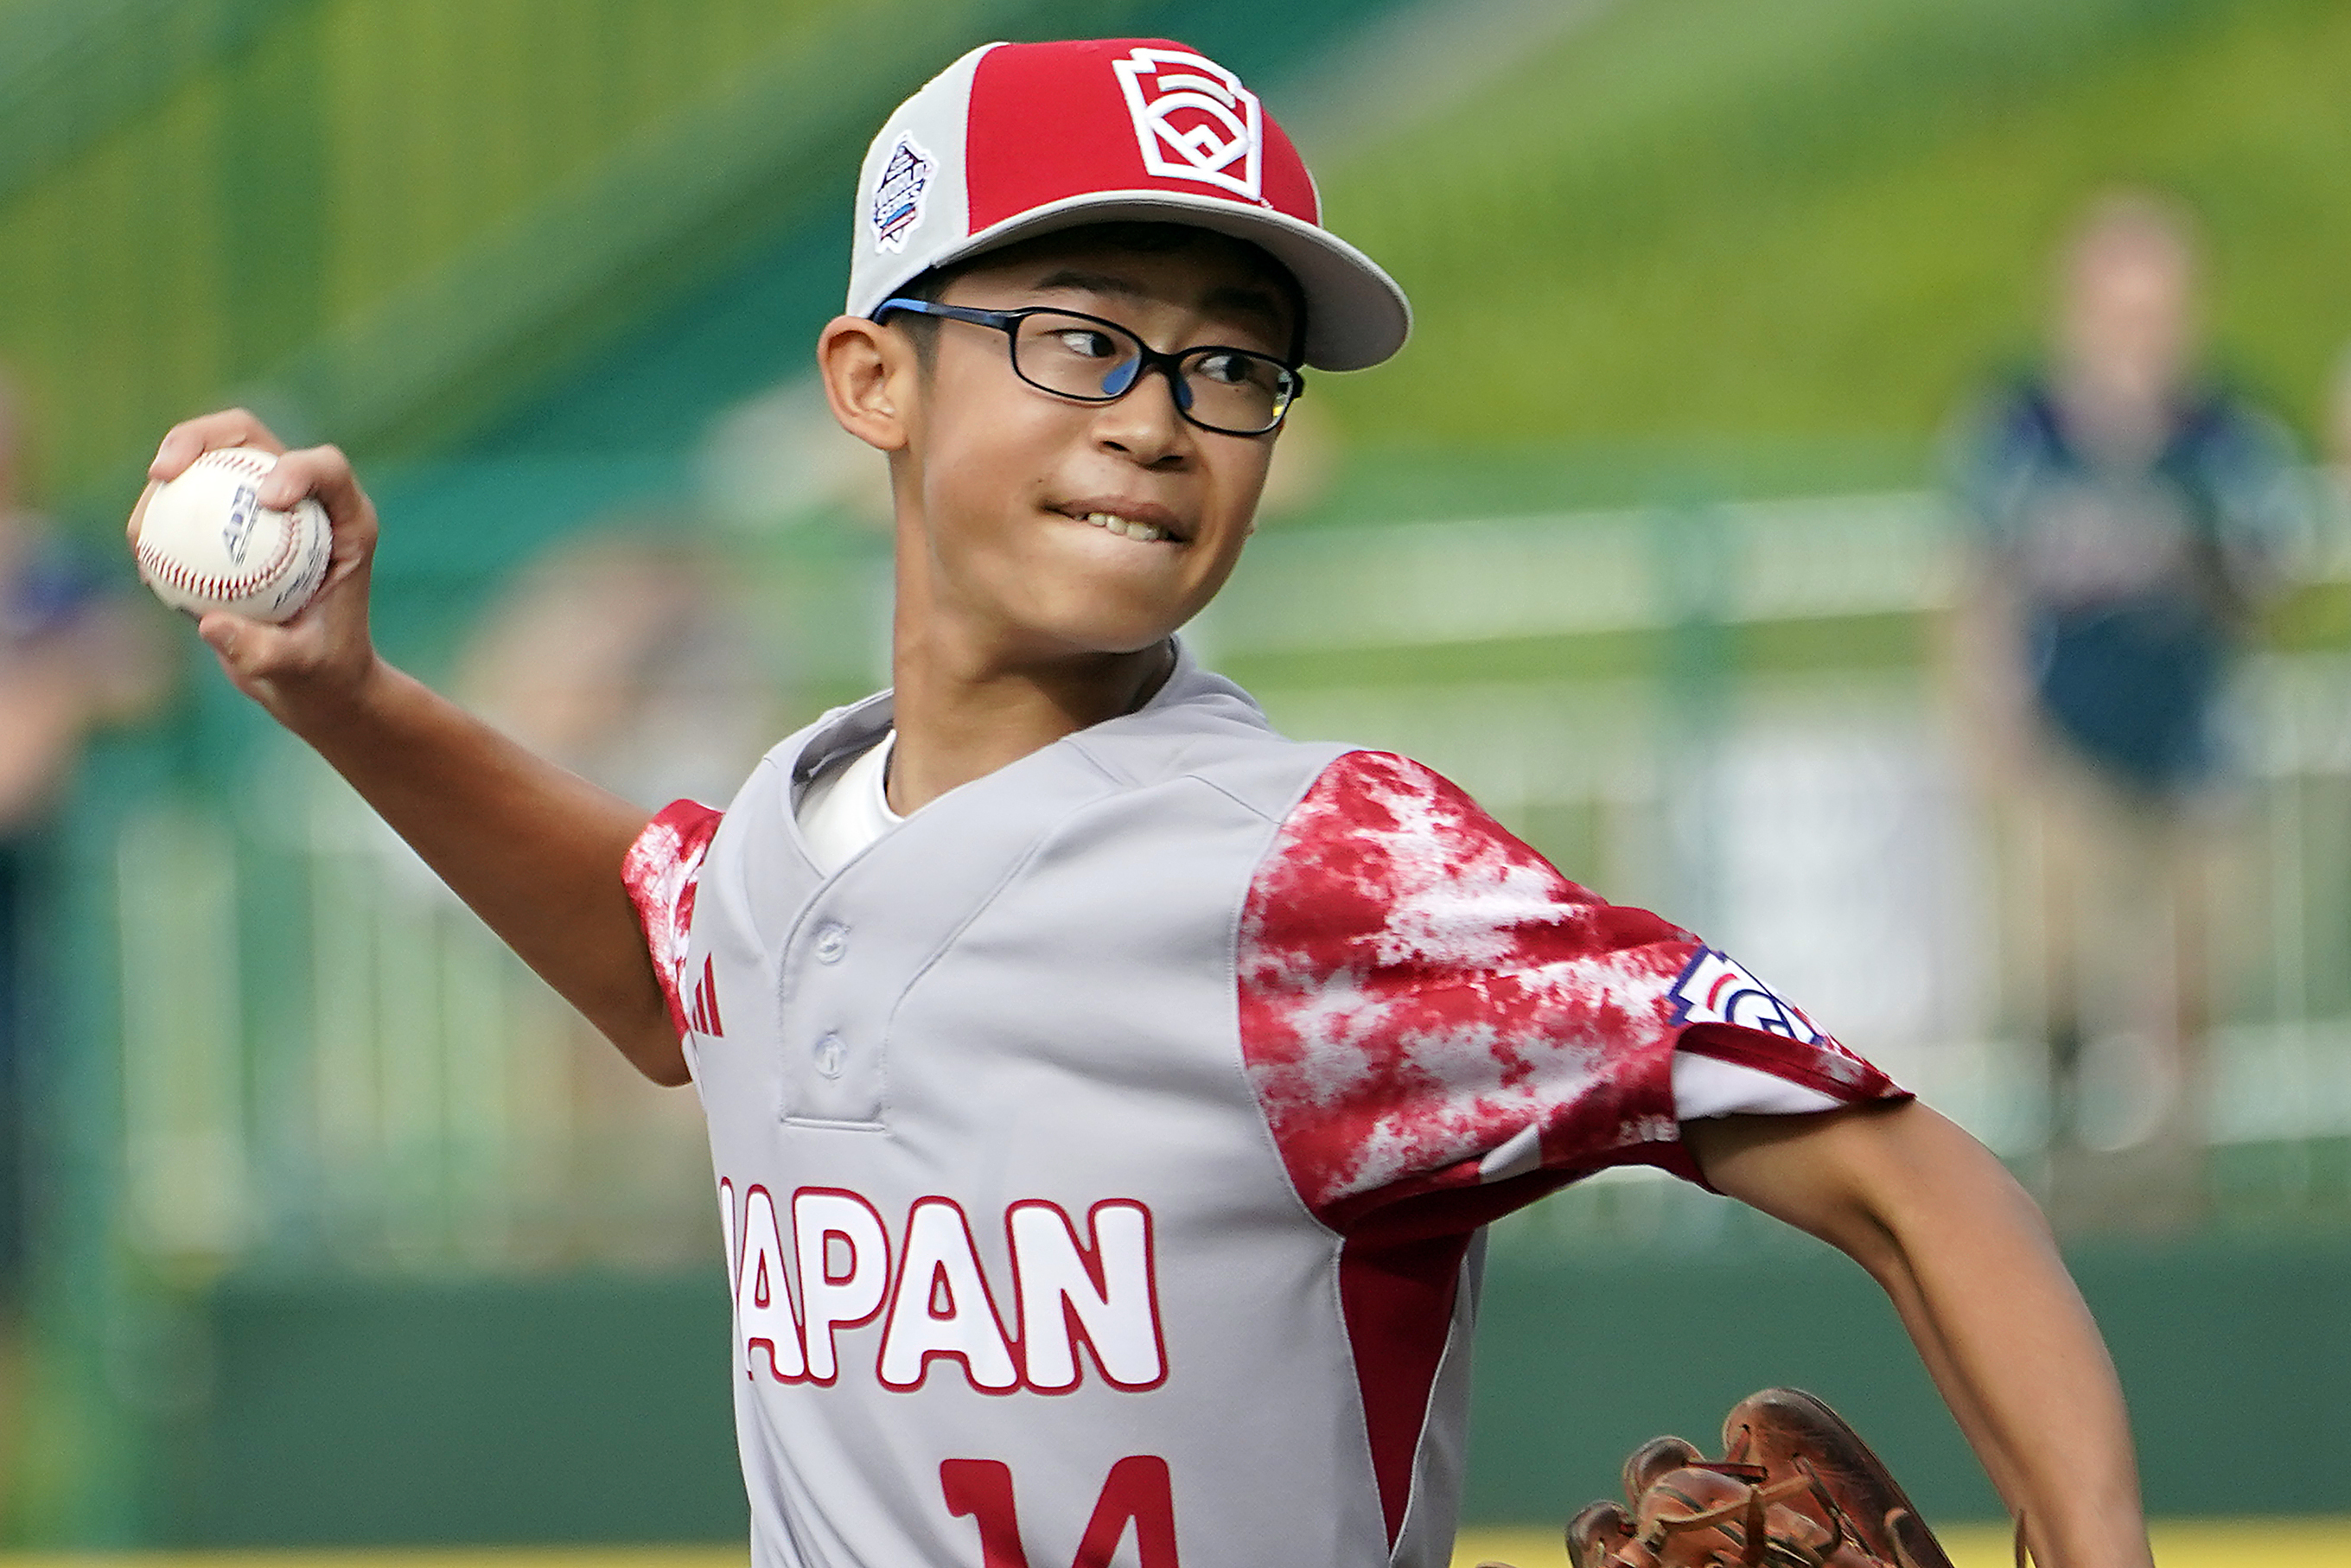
(347, 1234)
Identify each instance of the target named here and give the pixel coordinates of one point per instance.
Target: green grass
(1830, 218)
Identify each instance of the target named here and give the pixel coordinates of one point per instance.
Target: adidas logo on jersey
(701, 1009)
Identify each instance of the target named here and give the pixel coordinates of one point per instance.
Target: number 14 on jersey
(1136, 1493)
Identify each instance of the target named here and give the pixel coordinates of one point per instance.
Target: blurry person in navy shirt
(2131, 519)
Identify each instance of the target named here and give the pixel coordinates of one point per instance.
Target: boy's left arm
(1973, 1270)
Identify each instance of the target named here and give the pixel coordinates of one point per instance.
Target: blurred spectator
(630, 655)
(2131, 519)
(74, 653)
(623, 655)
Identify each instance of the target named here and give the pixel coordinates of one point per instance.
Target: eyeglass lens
(1225, 389)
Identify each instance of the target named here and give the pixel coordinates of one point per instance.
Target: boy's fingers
(253, 649)
(192, 438)
(139, 514)
(322, 472)
(230, 636)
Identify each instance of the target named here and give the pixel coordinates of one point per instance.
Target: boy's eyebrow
(1259, 302)
(1091, 283)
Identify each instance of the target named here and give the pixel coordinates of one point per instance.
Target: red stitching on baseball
(225, 589)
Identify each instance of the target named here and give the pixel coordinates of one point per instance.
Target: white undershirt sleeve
(1706, 1086)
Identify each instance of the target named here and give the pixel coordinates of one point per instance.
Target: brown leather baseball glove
(1795, 1488)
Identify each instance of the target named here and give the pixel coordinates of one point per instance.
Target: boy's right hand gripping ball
(207, 543)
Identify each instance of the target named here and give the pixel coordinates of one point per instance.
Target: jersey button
(830, 1052)
(831, 942)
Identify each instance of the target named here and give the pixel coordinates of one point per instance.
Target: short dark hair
(1147, 237)
(929, 285)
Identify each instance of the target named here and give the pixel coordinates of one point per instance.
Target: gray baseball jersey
(1102, 1153)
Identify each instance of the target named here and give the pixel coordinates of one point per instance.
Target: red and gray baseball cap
(1018, 140)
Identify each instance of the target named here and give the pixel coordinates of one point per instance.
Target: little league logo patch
(898, 194)
(1714, 990)
(1193, 119)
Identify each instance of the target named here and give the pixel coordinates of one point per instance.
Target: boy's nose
(1145, 426)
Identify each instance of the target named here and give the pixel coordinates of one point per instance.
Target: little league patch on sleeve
(1714, 989)
(1193, 119)
(898, 193)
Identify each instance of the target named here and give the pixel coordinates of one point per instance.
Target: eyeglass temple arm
(997, 318)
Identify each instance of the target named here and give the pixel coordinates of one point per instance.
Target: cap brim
(1357, 315)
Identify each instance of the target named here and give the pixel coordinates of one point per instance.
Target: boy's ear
(869, 373)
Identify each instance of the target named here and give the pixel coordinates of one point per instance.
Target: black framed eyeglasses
(1233, 391)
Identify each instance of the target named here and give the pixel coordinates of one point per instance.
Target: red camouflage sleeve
(1441, 1028)
(662, 872)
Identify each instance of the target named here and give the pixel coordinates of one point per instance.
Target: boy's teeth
(1119, 525)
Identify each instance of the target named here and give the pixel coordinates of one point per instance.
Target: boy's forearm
(531, 848)
(2019, 1359)
(1970, 1266)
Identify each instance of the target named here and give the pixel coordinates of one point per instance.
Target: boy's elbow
(645, 1035)
(1924, 1186)
(659, 1054)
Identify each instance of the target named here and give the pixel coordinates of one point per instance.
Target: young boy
(1105, 1093)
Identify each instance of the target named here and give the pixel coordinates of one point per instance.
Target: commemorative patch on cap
(1193, 119)
(898, 193)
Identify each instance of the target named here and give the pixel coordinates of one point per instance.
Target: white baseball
(207, 543)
